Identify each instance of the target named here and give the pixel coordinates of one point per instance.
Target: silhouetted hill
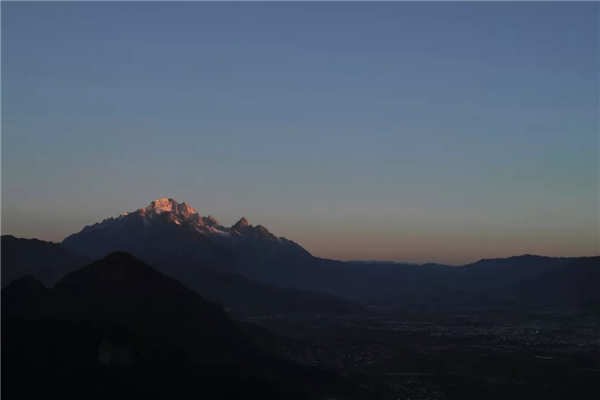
(25, 296)
(399, 283)
(232, 290)
(502, 273)
(119, 328)
(574, 284)
(48, 262)
(124, 290)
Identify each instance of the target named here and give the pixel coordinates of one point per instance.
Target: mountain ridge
(118, 328)
(166, 224)
(180, 242)
(228, 288)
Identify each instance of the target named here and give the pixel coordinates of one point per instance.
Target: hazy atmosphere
(394, 131)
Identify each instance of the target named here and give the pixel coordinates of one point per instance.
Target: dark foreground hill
(47, 262)
(119, 328)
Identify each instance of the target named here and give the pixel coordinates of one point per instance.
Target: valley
(468, 353)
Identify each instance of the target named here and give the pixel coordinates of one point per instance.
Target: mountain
(208, 257)
(178, 240)
(183, 244)
(119, 328)
(137, 297)
(231, 290)
(25, 296)
(502, 273)
(574, 284)
(170, 232)
(46, 261)
(401, 283)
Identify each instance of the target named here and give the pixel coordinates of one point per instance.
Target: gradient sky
(442, 132)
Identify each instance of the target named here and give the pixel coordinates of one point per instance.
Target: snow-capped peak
(168, 217)
(169, 205)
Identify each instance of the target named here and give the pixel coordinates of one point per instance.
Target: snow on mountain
(167, 212)
(167, 232)
(170, 206)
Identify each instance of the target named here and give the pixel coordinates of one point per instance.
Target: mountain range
(119, 328)
(246, 266)
(170, 232)
(50, 262)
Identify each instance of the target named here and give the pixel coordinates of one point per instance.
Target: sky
(420, 132)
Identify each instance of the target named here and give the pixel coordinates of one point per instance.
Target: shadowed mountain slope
(119, 328)
(28, 257)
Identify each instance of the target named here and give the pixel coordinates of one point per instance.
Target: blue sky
(439, 132)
